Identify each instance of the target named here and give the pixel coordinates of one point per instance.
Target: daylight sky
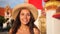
(11, 3)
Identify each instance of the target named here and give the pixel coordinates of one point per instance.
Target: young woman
(24, 16)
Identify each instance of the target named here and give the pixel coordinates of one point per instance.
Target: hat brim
(32, 8)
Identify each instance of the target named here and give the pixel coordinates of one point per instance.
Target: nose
(25, 16)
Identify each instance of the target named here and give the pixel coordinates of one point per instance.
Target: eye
(28, 14)
(22, 13)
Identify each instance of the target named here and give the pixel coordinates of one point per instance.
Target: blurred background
(48, 20)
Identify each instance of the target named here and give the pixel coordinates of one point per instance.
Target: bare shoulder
(36, 31)
(10, 31)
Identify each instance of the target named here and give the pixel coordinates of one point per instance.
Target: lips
(25, 20)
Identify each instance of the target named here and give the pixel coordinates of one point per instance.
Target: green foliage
(2, 19)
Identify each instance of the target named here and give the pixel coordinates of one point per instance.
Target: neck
(24, 27)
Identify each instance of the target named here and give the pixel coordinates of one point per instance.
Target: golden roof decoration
(52, 4)
(49, 3)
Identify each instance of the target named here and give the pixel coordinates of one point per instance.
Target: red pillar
(37, 3)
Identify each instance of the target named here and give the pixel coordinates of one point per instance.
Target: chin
(25, 23)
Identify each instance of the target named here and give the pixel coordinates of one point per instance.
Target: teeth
(25, 20)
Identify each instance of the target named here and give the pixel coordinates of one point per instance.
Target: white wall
(37, 23)
(56, 26)
(53, 25)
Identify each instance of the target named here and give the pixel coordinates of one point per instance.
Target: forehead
(25, 10)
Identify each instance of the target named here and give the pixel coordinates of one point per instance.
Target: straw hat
(33, 10)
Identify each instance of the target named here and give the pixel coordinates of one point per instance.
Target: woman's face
(24, 16)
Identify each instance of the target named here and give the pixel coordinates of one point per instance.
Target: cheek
(21, 17)
(29, 18)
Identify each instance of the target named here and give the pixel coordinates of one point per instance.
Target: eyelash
(27, 14)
